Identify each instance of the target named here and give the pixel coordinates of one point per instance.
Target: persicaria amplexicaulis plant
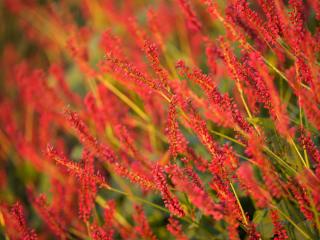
(162, 119)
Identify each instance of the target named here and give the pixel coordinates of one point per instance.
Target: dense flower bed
(159, 119)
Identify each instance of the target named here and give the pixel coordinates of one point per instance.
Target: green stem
(125, 99)
(291, 221)
(265, 148)
(227, 137)
(239, 203)
(297, 151)
(284, 163)
(131, 196)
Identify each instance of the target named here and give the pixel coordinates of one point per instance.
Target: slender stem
(297, 151)
(125, 99)
(3, 225)
(137, 198)
(88, 229)
(29, 123)
(239, 203)
(144, 201)
(77, 233)
(243, 100)
(227, 137)
(117, 215)
(291, 221)
(301, 125)
(265, 148)
(268, 150)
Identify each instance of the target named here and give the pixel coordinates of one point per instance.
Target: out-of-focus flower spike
(253, 233)
(270, 10)
(252, 18)
(306, 101)
(200, 163)
(200, 128)
(63, 192)
(178, 143)
(268, 94)
(109, 212)
(229, 25)
(279, 232)
(135, 177)
(250, 184)
(297, 20)
(308, 144)
(316, 7)
(196, 194)
(224, 105)
(302, 200)
(35, 90)
(192, 21)
(16, 224)
(45, 130)
(73, 167)
(80, 56)
(175, 228)
(308, 180)
(136, 31)
(101, 150)
(212, 53)
(111, 44)
(155, 27)
(142, 227)
(193, 177)
(151, 50)
(88, 187)
(127, 72)
(57, 71)
(99, 233)
(48, 216)
(127, 141)
(170, 201)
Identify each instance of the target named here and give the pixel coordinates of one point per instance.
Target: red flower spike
(128, 144)
(254, 21)
(73, 167)
(269, 9)
(170, 201)
(142, 227)
(175, 228)
(99, 233)
(297, 20)
(279, 233)
(178, 143)
(16, 224)
(250, 184)
(48, 216)
(197, 195)
(144, 182)
(301, 199)
(101, 150)
(309, 145)
(151, 51)
(58, 72)
(192, 20)
(88, 188)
